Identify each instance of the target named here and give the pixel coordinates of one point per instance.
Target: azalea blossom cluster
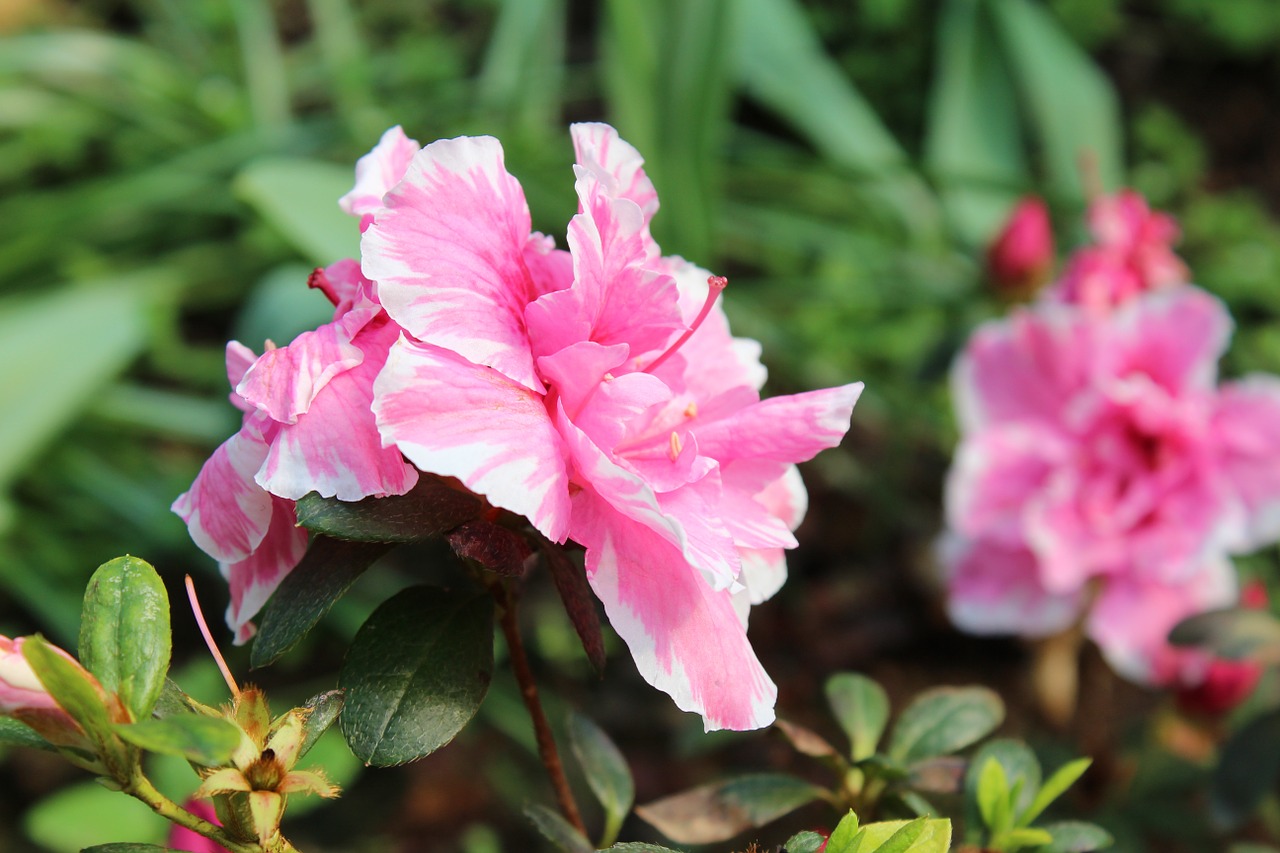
(1104, 474)
(595, 391)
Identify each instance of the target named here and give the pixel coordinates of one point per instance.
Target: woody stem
(547, 751)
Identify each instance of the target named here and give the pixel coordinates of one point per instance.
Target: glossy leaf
(325, 708)
(1076, 837)
(579, 601)
(861, 707)
(326, 572)
(428, 510)
(416, 673)
(805, 842)
(557, 830)
(1248, 769)
(300, 199)
(1236, 633)
(203, 740)
(125, 639)
(944, 720)
(719, 811)
(605, 769)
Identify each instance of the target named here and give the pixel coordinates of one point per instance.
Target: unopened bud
(1020, 259)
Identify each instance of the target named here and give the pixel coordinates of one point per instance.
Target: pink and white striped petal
(254, 578)
(457, 419)
(447, 253)
(994, 588)
(284, 381)
(1175, 336)
(787, 429)
(226, 512)
(379, 171)
(618, 165)
(1246, 425)
(686, 638)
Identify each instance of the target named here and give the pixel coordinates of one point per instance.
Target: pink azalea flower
(607, 403)
(308, 427)
(1101, 462)
(23, 697)
(1132, 253)
(1021, 257)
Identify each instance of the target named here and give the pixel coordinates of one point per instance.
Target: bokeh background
(169, 171)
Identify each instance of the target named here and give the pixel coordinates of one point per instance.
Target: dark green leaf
(1071, 103)
(18, 734)
(70, 687)
(944, 720)
(325, 708)
(125, 639)
(804, 842)
(300, 198)
(202, 740)
(557, 830)
(861, 707)
(1075, 836)
(719, 811)
(1248, 768)
(416, 673)
(174, 701)
(326, 572)
(579, 602)
(1236, 633)
(428, 510)
(604, 767)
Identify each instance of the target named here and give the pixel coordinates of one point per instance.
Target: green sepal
(208, 741)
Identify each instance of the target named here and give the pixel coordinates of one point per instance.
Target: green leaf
(861, 707)
(71, 687)
(719, 811)
(523, 72)
(605, 769)
(1024, 836)
(944, 720)
(299, 198)
(805, 740)
(641, 847)
(993, 796)
(579, 601)
(416, 673)
(325, 708)
(804, 842)
(922, 835)
(843, 838)
(125, 640)
(107, 319)
(125, 848)
(428, 510)
(326, 572)
(557, 830)
(1073, 836)
(1248, 769)
(203, 740)
(86, 814)
(973, 144)
(15, 733)
(1055, 786)
(1071, 103)
(1021, 769)
(1235, 634)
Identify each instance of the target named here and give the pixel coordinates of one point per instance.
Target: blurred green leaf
(1072, 105)
(124, 632)
(1020, 766)
(640, 847)
(326, 572)
(416, 673)
(1055, 786)
(203, 740)
(1235, 634)
(1074, 836)
(993, 796)
(804, 842)
(861, 707)
(557, 830)
(522, 77)
(973, 144)
(1248, 769)
(721, 810)
(605, 769)
(300, 199)
(86, 814)
(944, 720)
(125, 848)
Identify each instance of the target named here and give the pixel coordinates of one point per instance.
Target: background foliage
(168, 176)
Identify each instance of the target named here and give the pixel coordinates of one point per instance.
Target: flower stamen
(208, 639)
(715, 286)
(675, 447)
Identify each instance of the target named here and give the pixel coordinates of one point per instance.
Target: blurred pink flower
(1020, 259)
(183, 839)
(1102, 466)
(618, 411)
(1131, 253)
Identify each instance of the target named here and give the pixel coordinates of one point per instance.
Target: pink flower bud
(181, 838)
(1226, 683)
(1021, 257)
(24, 698)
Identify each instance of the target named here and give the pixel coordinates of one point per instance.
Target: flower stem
(139, 787)
(529, 692)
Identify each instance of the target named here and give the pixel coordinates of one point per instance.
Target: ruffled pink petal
(600, 404)
(600, 150)
(997, 472)
(1133, 615)
(226, 512)
(1246, 429)
(788, 429)
(1174, 336)
(994, 588)
(687, 639)
(379, 171)
(550, 269)
(239, 359)
(447, 252)
(254, 578)
(342, 283)
(458, 419)
(335, 448)
(284, 381)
